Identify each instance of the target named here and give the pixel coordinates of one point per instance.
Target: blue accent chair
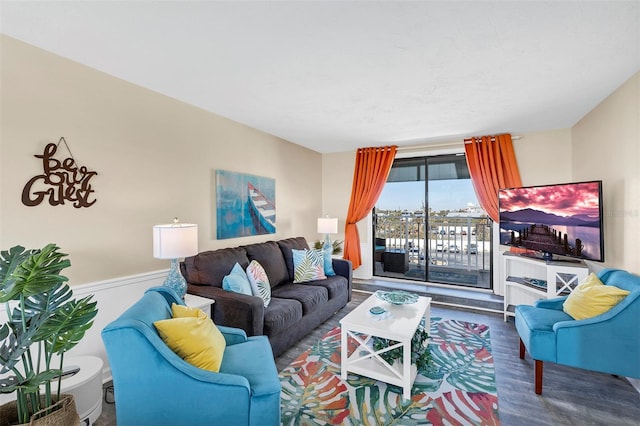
(154, 386)
(608, 343)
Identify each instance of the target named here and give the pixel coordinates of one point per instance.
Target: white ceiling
(337, 75)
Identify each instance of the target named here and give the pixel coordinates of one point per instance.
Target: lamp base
(175, 280)
(327, 243)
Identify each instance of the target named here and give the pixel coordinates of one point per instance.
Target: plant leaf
(9, 261)
(68, 325)
(45, 304)
(40, 272)
(15, 343)
(33, 382)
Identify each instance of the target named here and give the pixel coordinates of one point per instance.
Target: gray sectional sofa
(295, 309)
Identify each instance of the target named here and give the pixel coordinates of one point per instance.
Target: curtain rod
(513, 138)
(455, 144)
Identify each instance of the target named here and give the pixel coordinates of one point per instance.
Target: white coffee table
(400, 326)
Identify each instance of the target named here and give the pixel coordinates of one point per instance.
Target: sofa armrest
(555, 303)
(233, 309)
(343, 268)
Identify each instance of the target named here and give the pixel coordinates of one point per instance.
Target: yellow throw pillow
(193, 336)
(591, 298)
(184, 311)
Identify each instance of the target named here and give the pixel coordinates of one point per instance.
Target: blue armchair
(608, 343)
(154, 386)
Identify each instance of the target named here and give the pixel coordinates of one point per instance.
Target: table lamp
(174, 241)
(327, 225)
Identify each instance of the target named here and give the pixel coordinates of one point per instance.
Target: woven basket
(65, 414)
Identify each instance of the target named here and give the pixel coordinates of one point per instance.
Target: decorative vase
(65, 414)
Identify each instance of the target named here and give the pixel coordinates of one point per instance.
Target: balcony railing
(453, 249)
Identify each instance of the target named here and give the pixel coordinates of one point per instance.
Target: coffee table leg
(343, 352)
(406, 370)
(427, 319)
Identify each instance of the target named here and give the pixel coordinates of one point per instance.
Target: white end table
(85, 386)
(400, 326)
(203, 303)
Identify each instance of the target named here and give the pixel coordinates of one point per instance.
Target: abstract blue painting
(245, 205)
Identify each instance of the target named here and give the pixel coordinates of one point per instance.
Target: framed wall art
(245, 205)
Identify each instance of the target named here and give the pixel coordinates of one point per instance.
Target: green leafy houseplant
(43, 321)
(420, 354)
(337, 246)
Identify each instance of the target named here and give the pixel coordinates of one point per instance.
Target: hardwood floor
(570, 396)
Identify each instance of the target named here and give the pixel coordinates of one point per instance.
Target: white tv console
(526, 279)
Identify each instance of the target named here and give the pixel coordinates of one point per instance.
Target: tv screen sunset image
(561, 219)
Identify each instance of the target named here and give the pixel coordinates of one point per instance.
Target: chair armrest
(555, 303)
(233, 309)
(343, 267)
(233, 335)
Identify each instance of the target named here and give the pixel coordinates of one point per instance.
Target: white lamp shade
(175, 240)
(327, 225)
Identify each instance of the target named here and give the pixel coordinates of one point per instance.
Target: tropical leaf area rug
(458, 387)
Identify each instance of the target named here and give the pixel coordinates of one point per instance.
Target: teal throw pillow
(308, 265)
(237, 281)
(328, 261)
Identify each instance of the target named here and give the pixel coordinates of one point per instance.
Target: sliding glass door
(428, 225)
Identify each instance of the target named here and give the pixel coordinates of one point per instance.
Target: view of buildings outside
(456, 234)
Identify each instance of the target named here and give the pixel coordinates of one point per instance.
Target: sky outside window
(446, 194)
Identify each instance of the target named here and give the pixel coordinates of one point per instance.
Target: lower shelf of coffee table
(374, 368)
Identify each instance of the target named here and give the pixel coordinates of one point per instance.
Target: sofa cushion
(270, 257)
(237, 281)
(281, 314)
(337, 286)
(259, 282)
(308, 265)
(210, 267)
(327, 252)
(193, 336)
(242, 360)
(288, 244)
(311, 297)
(535, 327)
(591, 298)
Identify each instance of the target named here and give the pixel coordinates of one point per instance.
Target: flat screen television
(563, 219)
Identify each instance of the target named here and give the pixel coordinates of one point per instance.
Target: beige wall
(606, 146)
(337, 177)
(155, 159)
(544, 157)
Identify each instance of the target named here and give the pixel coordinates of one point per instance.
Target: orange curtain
(492, 165)
(370, 174)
